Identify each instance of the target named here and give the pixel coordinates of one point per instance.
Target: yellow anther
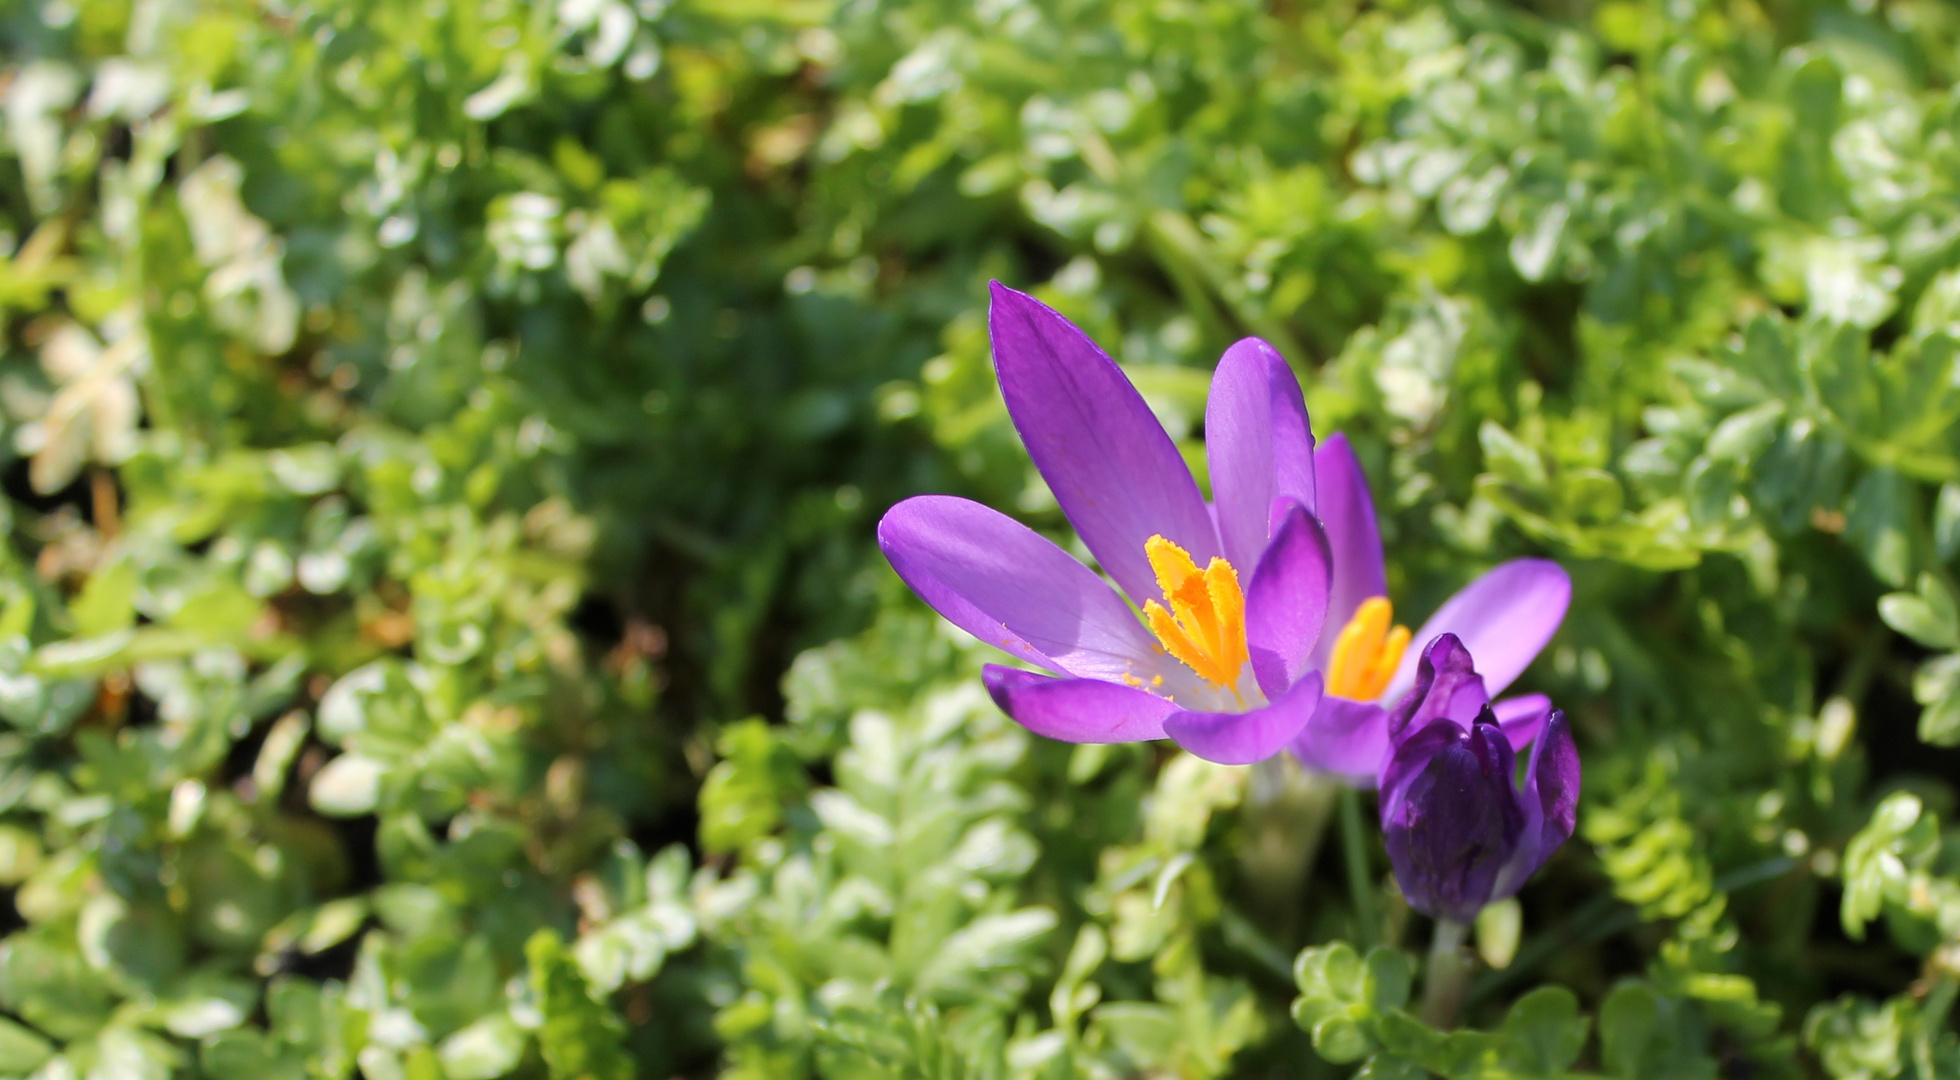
(1367, 652)
(1204, 624)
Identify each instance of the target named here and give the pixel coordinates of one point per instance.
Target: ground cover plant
(444, 633)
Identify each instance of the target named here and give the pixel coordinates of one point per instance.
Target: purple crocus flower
(1461, 831)
(1504, 618)
(1233, 593)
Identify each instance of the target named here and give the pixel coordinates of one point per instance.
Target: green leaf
(489, 1048)
(1877, 861)
(1342, 995)
(349, 786)
(1644, 1035)
(1509, 458)
(22, 1050)
(743, 796)
(251, 1055)
(1927, 616)
(1877, 523)
(1856, 1040)
(1547, 1031)
(1390, 1067)
(108, 602)
(1936, 685)
(966, 962)
(580, 1038)
(1946, 521)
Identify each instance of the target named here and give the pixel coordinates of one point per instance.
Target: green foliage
(442, 638)
(1353, 1008)
(1930, 617)
(577, 1035)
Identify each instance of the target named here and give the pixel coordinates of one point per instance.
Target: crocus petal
(1553, 776)
(1257, 445)
(1550, 801)
(1348, 515)
(1447, 687)
(1450, 817)
(1504, 618)
(1346, 738)
(1077, 710)
(1012, 588)
(1287, 601)
(1243, 738)
(1522, 717)
(1112, 468)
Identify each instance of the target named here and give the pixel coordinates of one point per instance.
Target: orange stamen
(1367, 652)
(1204, 623)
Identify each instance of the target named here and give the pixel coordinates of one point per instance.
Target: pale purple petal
(1243, 738)
(1346, 738)
(1113, 470)
(1286, 602)
(1504, 618)
(1447, 687)
(1077, 710)
(1348, 515)
(1012, 588)
(1257, 444)
(1522, 717)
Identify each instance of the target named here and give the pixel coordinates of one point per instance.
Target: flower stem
(1361, 880)
(1447, 977)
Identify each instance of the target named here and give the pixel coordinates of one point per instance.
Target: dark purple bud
(1447, 686)
(1460, 831)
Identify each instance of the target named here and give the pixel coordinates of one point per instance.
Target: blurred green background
(440, 633)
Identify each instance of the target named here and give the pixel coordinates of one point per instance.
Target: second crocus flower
(1505, 618)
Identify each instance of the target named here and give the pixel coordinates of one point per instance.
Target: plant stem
(1361, 880)
(1447, 977)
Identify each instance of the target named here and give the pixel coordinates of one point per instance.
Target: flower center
(1367, 652)
(1202, 619)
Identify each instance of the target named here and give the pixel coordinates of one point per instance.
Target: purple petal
(1553, 775)
(1450, 818)
(1405, 762)
(1243, 738)
(1348, 515)
(1346, 738)
(1550, 801)
(1287, 601)
(1114, 471)
(1257, 444)
(1012, 588)
(1504, 618)
(1447, 687)
(1522, 717)
(1077, 710)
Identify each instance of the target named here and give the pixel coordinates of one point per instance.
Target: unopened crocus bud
(1461, 830)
